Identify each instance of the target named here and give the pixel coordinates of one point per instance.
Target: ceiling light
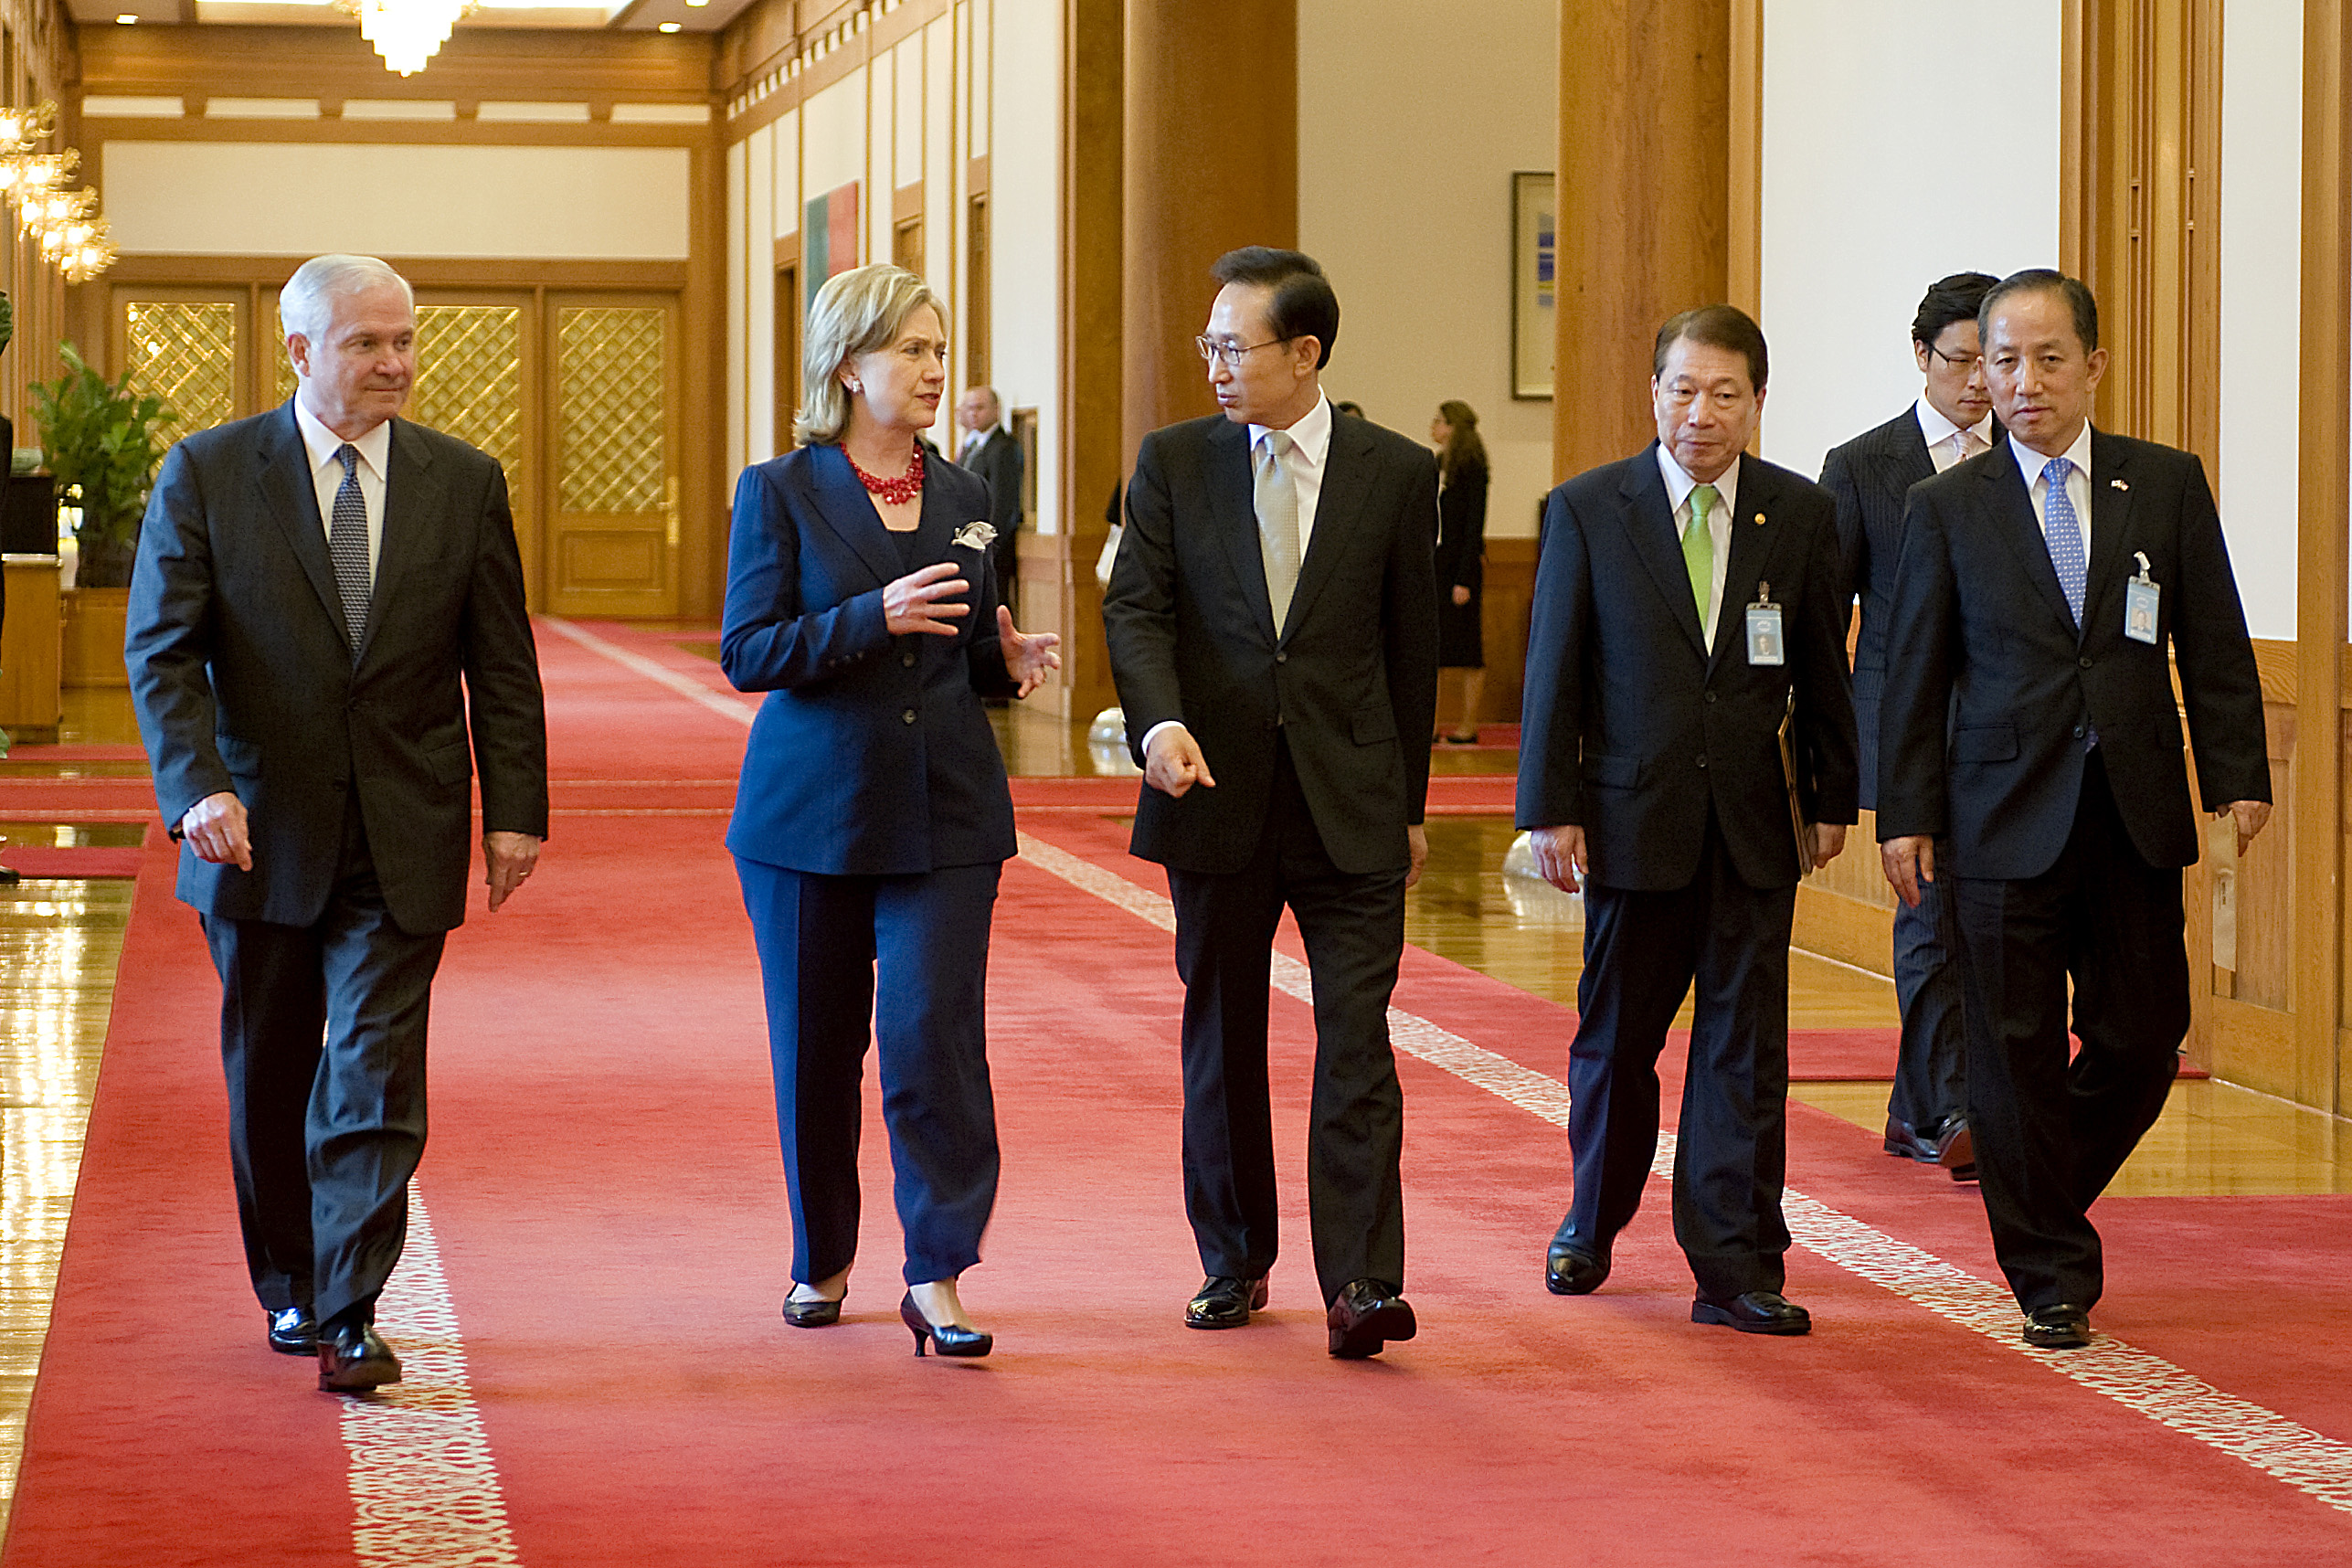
(128, 17)
(669, 27)
(407, 33)
(696, 5)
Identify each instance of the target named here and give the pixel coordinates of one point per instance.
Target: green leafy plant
(103, 439)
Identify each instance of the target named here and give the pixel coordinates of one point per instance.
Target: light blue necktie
(347, 545)
(2063, 533)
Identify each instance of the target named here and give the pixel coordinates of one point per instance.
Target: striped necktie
(348, 545)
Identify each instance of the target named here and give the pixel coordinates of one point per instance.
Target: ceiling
(625, 15)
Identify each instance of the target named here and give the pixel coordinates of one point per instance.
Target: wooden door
(478, 378)
(612, 418)
(190, 347)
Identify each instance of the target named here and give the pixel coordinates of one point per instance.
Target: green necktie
(1698, 548)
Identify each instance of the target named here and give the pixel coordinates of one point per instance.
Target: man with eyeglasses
(1952, 421)
(1688, 604)
(2031, 754)
(1271, 622)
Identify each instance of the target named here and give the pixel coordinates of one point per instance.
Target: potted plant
(101, 442)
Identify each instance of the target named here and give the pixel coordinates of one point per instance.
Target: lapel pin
(1759, 519)
(2118, 484)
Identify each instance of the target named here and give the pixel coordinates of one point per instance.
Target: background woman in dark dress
(873, 816)
(1461, 570)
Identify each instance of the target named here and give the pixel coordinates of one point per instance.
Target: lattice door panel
(615, 530)
(185, 352)
(469, 377)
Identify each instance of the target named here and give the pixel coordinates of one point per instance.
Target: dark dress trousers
(1461, 562)
(1316, 734)
(870, 826)
(2046, 761)
(354, 767)
(1000, 462)
(1667, 756)
(1869, 477)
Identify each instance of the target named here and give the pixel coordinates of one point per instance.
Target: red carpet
(603, 1183)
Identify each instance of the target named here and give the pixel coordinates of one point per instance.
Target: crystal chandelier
(407, 33)
(62, 221)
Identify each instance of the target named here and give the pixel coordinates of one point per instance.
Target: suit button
(2078, 732)
(909, 717)
(908, 659)
(1281, 658)
(1702, 759)
(2085, 662)
(1710, 696)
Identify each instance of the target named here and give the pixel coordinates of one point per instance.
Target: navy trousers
(1931, 1082)
(1643, 952)
(824, 942)
(322, 1041)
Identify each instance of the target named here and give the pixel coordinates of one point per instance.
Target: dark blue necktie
(2063, 533)
(348, 545)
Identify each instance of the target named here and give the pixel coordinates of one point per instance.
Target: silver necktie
(347, 545)
(1276, 494)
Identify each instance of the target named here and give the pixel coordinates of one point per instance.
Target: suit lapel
(839, 498)
(1907, 454)
(2012, 505)
(413, 498)
(1236, 518)
(1754, 531)
(1648, 520)
(2111, 517)
(1347, 472)
(290, 498)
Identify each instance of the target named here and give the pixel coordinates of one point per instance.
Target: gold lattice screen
(469, 376)
(184, 354)
(612, 456)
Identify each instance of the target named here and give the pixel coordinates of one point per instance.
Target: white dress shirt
(1679, 486)
(375, 451)
(1944, 448)
(2078, 484)
(973, 442)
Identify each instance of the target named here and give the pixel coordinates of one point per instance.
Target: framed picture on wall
(1534, 288)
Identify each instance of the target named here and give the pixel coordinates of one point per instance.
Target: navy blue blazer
(872, 755)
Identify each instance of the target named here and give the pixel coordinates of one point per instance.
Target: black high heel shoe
(817, 1314)
(952, 1339)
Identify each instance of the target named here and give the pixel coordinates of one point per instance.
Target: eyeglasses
(1231, 353)
(1966, 364)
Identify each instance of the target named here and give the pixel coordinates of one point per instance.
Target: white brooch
(2118, 484)
(975, 536)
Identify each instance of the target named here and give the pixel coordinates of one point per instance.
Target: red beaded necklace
(895, 492)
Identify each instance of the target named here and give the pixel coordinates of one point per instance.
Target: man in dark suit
(1272, 621)
(1952, 422)
(325, 598)
(992, 451)
(1688, 602)
(2030, 753)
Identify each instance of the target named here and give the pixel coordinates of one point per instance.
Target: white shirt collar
(375, 447)
(1939, 429)
(1680, 485)
(2030, 462)
(1311, 435)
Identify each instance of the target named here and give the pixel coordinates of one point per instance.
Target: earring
(856, 389)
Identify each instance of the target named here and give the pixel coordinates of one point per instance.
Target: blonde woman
(872, 815)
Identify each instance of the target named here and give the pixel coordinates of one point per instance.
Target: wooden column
(1644, 202)
(2325, 413)
(1211, 164)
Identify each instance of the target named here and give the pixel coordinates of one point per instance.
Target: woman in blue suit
(873, 816)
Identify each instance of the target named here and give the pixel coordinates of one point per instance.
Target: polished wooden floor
(61, 942)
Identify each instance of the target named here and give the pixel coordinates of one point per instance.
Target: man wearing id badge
(1687, 607)
(2030, 752)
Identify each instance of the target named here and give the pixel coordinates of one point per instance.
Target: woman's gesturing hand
(1027, 659)
(913, 603)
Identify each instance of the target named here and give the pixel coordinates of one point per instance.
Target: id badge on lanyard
(1765, 643)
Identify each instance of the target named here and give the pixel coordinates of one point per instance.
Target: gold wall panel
(469, 377)
(184, 353)
(613, 451)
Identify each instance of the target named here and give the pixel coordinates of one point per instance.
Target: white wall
(1024, 97)
(276, 198)
(2262, 244)
(1895, 152)
(1404, 162)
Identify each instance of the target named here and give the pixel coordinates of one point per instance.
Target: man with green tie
(1687, 602)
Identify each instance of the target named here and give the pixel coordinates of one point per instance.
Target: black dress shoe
(2060, 1328)
(812, 1314)
(1225, 1302)
(1955, 1150)
(294, 1332)
(1905, 1143)
(1753, 1312)
(352, 1360)
(1366, 1316)
(952, 1339)
(1568, 1271)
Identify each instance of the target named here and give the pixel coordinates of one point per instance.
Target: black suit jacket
(1868, 478)
(244, 679)
(1350, 679)
(1631, 728)
(1980, 631)
(999, 462)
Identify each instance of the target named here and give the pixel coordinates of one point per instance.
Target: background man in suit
(1650, 771)
(991, 450)
(1272, 619)
(324, 598)
(1952, 422)
(2030, 752)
